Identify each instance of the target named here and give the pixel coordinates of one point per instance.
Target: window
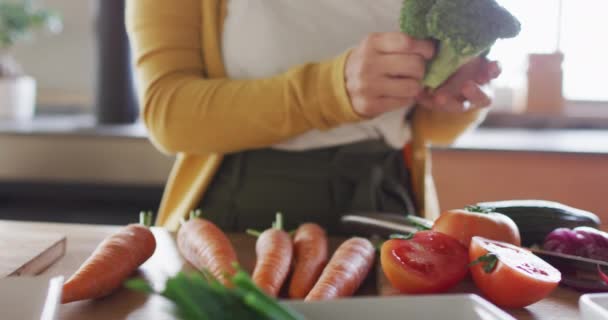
(579, 32)
(64, 64)
(85, 68)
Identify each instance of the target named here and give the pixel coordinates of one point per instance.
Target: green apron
(318, 186)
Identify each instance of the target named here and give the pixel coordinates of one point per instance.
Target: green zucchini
(537, 218)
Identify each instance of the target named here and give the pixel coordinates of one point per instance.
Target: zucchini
(537, 218)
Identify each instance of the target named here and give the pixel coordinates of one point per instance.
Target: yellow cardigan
(192, 110)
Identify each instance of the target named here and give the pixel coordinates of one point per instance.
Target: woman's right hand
(385, 71)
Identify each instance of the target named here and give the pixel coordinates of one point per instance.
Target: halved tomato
(464, 224)
(428, 262)
(508, 275)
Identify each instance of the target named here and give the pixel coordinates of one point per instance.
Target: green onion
(202, 296)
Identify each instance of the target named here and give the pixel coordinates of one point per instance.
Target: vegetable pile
(481, 241)
(222, 290)
(537, 218)
(477, 240)
(464, 29)
(276, 255)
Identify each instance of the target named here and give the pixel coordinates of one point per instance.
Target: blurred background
(72, 147)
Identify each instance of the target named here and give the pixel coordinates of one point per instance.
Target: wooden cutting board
(28, 254)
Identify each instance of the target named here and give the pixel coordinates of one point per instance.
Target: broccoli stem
(446, 62)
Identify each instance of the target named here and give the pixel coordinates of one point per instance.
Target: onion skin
(562, 240)
(581, 241)
(584, 242)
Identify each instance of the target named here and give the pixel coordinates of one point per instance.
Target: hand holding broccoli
(385, 72)
(464, 90)
(463, 30)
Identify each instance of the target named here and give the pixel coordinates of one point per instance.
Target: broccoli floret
(464, 30)
(413, 17)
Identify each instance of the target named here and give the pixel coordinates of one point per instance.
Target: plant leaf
(479, 209)
(488, 262)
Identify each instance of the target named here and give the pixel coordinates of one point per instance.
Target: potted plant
(18, 19)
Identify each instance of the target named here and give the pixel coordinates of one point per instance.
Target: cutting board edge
(42, 261)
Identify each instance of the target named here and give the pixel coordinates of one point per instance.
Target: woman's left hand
(465, 89)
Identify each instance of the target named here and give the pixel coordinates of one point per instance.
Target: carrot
(310, 257)
(346, 270)
(207, 247)
(274, 251)
(112, 262)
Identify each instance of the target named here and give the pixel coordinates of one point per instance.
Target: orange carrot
(346, 270)
(112, 262)
(207, 247)
(310, 257)
(274, 250)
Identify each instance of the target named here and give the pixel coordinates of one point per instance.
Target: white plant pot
(17, 98)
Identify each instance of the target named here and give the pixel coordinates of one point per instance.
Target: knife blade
(560, 259)
(376, 224)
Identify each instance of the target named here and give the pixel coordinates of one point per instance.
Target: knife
(580, 273)
(376, 224)
(559, 259)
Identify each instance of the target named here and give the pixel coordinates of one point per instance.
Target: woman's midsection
(311, 186)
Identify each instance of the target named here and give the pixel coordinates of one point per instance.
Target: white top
(263, 38)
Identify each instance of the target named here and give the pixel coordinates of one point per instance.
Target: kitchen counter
(78, 125)
(70, 153)
(124, 304)
(64, 149)
(525, 140)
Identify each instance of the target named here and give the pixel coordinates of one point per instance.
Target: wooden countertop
(561, 141)
(124, 304)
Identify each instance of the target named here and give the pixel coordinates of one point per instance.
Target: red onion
(584, 242)
(562, 240)
(597, 248)
(581, 241)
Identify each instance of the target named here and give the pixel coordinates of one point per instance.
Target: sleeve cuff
(334, 102)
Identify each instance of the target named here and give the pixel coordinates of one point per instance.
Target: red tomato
(510, 276)
(463, 224)
(429, 262)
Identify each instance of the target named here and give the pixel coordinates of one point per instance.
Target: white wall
(64, 64)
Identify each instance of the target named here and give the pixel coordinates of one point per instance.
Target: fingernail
(495, 71)
(469, 89)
